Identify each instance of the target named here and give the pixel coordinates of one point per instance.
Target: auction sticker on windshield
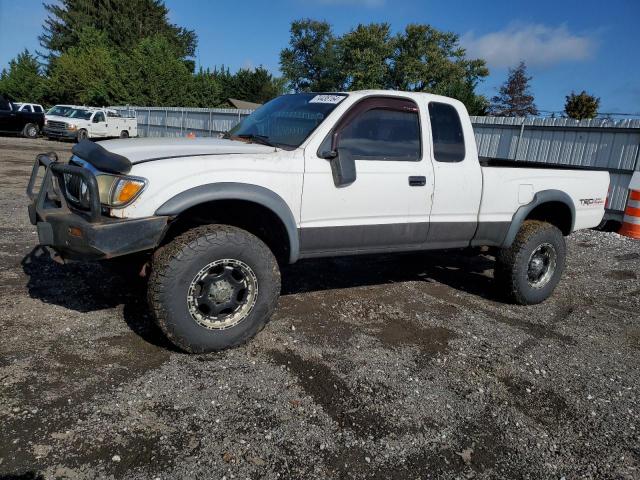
(327, 99)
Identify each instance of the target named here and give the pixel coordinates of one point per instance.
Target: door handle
(417, 181)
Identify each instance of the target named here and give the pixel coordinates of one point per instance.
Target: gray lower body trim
(398, 237)
(450, 234)
(361, 237)
(490, 234)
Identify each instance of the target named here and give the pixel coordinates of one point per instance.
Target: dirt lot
(400, 367)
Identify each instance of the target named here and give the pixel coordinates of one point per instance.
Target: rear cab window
(446, 133)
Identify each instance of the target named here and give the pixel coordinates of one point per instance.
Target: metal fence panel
(597, 143)
(178, 122)
(600, 143)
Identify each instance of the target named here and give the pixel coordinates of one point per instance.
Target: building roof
(242, 104)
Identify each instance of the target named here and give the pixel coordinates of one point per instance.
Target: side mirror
(343, 167)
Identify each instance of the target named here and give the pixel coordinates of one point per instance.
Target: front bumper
(84, 233)
(59, 133)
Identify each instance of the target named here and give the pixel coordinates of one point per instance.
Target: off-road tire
(30, 130)
(176, 264)
(512, 264)
(124, 134)
(82, 135)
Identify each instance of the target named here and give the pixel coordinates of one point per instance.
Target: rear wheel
(529, 270)
(124, 134)
(30, 130)
(213, 287)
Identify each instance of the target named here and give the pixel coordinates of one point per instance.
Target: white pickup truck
(209, 221)
(80, 123)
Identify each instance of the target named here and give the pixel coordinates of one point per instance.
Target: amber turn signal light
(75, 232)
(126, 190)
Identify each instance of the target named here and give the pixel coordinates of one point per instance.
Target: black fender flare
(237, 191)
(540, 198)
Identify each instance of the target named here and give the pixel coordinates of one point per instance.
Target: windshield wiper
(263, 139)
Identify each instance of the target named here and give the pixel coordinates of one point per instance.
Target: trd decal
(591, 201)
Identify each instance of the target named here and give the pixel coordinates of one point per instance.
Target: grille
(54, 124)
(76, 190)
(73, 184)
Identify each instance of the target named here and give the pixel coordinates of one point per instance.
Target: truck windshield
(80, 113)
(59, 111)
(288, 120)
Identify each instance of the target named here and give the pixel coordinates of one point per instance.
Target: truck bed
(507, 185)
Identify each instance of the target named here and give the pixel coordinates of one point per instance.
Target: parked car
(81, 123)
(28, 107)
(24, 121)
(383, 171)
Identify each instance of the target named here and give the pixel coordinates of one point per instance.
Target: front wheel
(213, 288)
(82, 135)
(529, 270)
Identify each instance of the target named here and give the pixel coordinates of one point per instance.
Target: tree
(428, 60)
(514, 98)
(88, 74)
(155, 75)
(257, 85)
(421, 59)
(23, 81)
(207, 89)
(124, 22)
(311, 61)
(364, 55)
(581, 106)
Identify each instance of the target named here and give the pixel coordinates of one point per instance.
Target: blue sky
(570, 44)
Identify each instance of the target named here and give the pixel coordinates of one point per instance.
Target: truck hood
(59, 118)
(145, 149)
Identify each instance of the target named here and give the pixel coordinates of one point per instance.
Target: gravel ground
(405, 366)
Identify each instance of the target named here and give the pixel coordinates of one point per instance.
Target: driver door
(387, 207)
(99, 125)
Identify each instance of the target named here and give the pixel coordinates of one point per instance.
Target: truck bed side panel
(506, 189)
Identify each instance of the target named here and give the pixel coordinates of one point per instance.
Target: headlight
(46, 122)
(118, 191)
(72, 126)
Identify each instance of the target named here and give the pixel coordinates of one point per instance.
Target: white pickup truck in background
(306, 175)
(81, 123)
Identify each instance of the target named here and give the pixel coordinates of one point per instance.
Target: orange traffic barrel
(631, 221)
(191, 135)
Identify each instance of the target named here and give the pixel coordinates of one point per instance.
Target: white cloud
(363, 3)
(538, 45)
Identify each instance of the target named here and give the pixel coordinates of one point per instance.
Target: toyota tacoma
(210, 221)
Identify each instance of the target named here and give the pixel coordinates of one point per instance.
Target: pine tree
(514, 98)
(124, 22)
(581, 106)
(88, 74)
(23, 81)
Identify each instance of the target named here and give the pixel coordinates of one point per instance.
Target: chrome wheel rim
(222, 294)
(32, 132)
(542, 265)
